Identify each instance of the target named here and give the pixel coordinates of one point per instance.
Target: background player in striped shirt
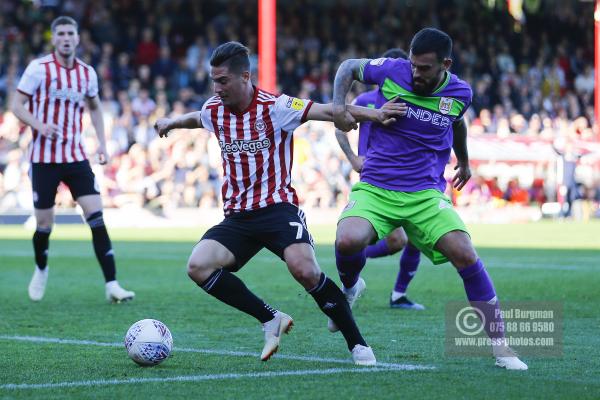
(396, 240)
(55, 88)
(402, 180)
(255, 132)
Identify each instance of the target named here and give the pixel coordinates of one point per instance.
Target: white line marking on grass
(582, 263)
(38, 339)
(194, 378)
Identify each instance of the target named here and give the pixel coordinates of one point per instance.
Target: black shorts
(45, 178)
(274, 227)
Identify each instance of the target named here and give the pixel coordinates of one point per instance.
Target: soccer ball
(148, 342)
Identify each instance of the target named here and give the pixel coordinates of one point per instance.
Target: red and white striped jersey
(256, 148)
(56, 95)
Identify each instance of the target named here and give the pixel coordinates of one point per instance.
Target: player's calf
(102, 245)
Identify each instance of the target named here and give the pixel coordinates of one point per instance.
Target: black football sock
(102, 246)
(230, 289)
(41, 239)
(332, 302)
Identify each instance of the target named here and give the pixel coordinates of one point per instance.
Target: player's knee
(44, 222)
(305, 271)
(199, 269)
(44, 225)
(347, 243)
(464, 257)
(396, 241)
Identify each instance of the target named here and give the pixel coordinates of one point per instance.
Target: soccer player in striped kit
(55, 88)
(255, 132)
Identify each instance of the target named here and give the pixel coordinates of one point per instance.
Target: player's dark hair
(63, 20)
(395, 53)
(232, 55)
(431, 40)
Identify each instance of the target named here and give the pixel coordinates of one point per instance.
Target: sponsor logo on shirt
(244, 146)
(66, 94)
(428, 116)
(295, 103)
(445, 105)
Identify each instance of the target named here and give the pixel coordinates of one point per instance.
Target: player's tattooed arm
(186, 121)
(349, 71)
(459, 145)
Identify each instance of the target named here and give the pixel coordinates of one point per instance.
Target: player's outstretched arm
(385, 115)
(347, 73)
(187, 121)
(18, 108)
(463, 170)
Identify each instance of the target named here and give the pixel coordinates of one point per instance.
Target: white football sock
(397, 295)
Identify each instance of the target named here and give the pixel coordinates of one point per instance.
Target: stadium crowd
(534, 78)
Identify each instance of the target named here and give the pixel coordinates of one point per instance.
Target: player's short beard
(425, 90)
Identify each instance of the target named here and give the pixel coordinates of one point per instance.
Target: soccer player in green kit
(402, 179)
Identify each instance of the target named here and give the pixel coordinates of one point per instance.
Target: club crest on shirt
(221, 130)
(445, 105)
(260, 126)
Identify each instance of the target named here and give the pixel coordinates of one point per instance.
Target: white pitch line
(193, 378)
(589, 263)
(38, 339)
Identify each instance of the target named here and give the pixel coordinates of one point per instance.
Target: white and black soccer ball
(148, 342)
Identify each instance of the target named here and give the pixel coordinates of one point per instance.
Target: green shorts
(426, 215)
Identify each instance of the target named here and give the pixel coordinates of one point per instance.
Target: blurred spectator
(143, 106)
(515, 193)
(537, 193)
(147, 49)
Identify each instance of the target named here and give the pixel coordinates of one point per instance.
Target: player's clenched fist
(163, 126)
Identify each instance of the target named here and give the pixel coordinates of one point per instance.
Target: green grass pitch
(69, 346)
